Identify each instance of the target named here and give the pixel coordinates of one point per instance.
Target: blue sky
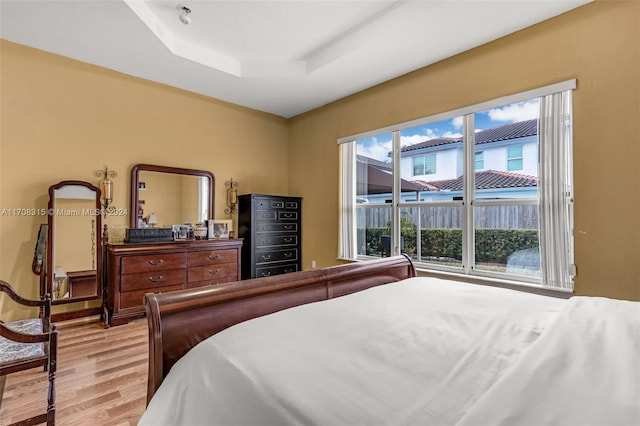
(378, 147)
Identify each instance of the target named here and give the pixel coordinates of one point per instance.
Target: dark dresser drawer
(276, 227)
(155, 262)
(276, 270)
(263, 240)
(271, 255)
(285, 215)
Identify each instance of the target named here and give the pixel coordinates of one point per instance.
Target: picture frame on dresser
(220, 229)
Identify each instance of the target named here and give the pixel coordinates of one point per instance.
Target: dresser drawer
(205, 283)
(135, 299)
(276, 270)
(285, 215)
(213, 272)
(266, 215)
(213, 257)
(276, 240)
(155, 262)
(152, 279)
(270, 255)
(276, 227)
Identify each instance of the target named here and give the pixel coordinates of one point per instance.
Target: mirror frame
(50, 248)
(135, 179)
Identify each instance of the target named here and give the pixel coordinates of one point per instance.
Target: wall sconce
(106, 186)
(232, 197)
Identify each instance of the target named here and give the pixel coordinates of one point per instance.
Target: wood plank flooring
(101, 379)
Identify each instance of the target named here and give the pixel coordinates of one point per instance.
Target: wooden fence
(493, 217)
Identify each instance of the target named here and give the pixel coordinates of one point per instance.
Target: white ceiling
(285, 57)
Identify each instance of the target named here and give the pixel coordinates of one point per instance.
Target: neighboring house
(506, 164)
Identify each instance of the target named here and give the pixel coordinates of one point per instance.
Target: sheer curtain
(347, 228)
(556, 191)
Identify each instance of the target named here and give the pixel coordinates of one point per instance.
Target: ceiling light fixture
(184, 14)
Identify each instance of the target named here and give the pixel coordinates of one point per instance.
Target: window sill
(496, 282)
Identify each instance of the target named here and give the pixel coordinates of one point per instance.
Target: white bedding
(584, 370)
(422, 351)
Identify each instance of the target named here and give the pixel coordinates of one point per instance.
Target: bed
(392, 349)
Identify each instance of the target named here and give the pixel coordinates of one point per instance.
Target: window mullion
(395, 211)
(468, 161)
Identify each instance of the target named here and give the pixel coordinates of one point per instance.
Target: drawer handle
(288, 240)
(212, 257)
(156, 280)
(288, 215)
(156, 263)
(266, 274)
(266, 256)
(288, 227)
(288, 270)
(288, 254)
(212, 272)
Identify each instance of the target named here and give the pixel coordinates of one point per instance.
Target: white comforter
(423, 351)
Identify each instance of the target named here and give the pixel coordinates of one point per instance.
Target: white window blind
(556, 192)
(347, 226)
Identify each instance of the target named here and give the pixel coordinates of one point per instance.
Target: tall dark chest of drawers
(271, 228)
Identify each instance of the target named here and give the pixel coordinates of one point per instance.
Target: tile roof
(501, 133)
(488, 179)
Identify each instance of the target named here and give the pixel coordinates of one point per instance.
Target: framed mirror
(165, 196)
(74, 249)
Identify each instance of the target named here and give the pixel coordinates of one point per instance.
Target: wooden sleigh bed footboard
(181, 319)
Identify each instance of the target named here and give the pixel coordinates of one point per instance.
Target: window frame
(468, 202)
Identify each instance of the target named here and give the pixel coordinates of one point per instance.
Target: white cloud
(515, 112)
(457, 122)
(427, 135)
(378, 150)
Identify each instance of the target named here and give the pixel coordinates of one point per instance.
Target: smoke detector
(184, 14)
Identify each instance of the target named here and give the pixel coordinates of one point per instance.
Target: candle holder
(232, 197)
(106, 187)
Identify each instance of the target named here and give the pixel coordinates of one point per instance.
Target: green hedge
(492, 245)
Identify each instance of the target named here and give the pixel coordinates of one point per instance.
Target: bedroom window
(479, 160)
(424, 165)
(514, 158)
(477, 215)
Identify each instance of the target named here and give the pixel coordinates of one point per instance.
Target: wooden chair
(27, 344)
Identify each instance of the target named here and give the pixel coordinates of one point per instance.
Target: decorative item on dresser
(136, 269)
(271, 228)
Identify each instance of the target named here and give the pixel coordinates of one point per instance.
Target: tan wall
(599, 44)
(62, 119)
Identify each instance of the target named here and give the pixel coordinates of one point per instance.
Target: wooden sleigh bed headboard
(181, 319)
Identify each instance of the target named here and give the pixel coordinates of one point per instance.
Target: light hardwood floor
(101, 379)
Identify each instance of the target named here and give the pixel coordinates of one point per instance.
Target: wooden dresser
(132, 270)
(271, 226)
